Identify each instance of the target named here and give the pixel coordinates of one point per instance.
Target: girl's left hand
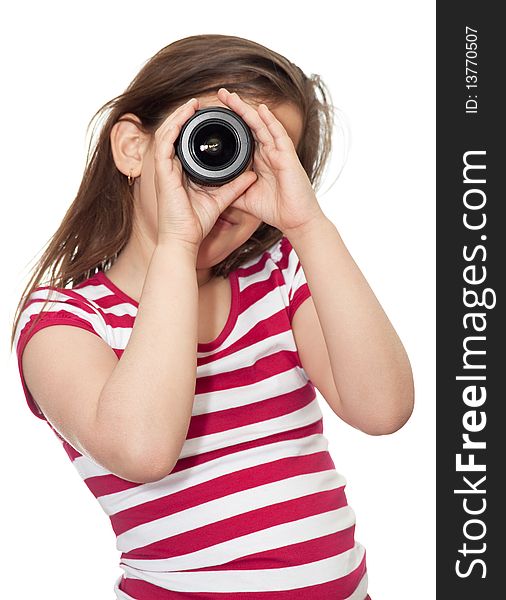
(282, 195)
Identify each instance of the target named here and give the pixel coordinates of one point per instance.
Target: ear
(128, 144)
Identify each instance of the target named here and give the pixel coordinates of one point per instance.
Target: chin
(215, 247)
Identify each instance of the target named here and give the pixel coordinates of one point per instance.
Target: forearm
(146, 404)
(370, 366)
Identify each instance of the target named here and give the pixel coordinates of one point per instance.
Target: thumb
(233, 189)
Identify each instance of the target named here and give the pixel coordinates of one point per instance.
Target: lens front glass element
(214, 145)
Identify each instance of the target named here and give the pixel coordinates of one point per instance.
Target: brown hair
(98, 223)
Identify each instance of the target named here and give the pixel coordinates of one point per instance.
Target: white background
(60, 62)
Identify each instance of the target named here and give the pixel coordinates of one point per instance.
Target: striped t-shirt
(254, 507)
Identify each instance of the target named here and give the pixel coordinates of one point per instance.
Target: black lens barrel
(214, 146)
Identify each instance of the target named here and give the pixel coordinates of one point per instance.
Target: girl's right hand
(187, 214)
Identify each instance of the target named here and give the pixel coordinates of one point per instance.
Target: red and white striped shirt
(254, 507)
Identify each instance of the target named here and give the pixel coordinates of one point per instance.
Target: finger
(177, 118)
(229, 192)
(279, 134)
(249, 114)
(193, 103)
(183, 111)
(167, 133)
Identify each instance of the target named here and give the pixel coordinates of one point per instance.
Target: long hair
(98, 223)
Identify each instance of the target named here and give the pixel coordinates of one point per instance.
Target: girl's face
(222, 239)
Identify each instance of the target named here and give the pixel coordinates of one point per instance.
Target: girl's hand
(185, 213)
(282, 196)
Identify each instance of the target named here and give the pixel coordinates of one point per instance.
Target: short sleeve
(293, 275)
(65, 307)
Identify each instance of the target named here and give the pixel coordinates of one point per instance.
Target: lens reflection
(214, 145)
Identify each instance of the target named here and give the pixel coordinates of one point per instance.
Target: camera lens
(214, 146)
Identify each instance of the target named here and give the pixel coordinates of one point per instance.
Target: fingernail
(191, 100)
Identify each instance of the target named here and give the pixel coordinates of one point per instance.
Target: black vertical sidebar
(470, 273)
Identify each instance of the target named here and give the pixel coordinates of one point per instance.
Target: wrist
(173, 245)
(313, 226)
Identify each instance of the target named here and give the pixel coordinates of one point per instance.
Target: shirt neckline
(201, 346)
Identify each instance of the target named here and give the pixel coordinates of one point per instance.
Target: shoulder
(278, 261)
(281, 265)
(48, 306)
(286, 260)
(66, 306)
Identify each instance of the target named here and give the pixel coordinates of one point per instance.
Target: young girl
(182, 378)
